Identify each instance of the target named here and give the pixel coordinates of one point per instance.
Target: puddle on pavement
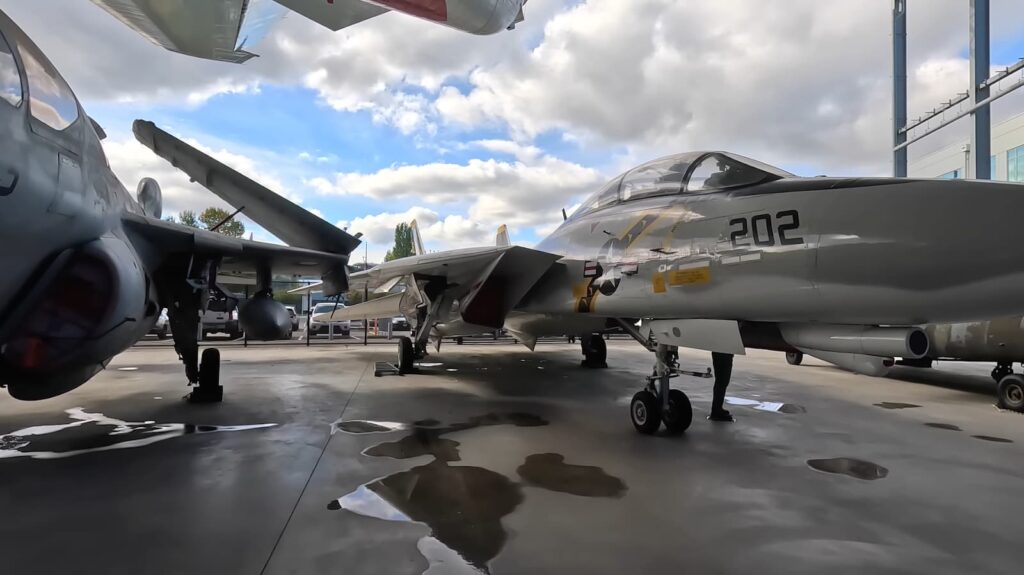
(947, 426)
(895, 405)
(95, 432)
(550, 471)
(992, 438)
(359, 426)
(856, 468)
(766, 405)
(462, 505)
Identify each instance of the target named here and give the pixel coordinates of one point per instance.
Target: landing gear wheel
(645, 412)
(595, 351)
(162, 334)
(406, 355)
(1010, 393)
(794, 357)
(209, 389)
(679, 415)
(1001, 370)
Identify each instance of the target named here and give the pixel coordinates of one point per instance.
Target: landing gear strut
(1002, 370)
(186, 300)
(595, 351)
(657, 403)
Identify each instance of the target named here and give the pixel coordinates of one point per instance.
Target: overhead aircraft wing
(240, 258)
(224, 30)
(290, 222)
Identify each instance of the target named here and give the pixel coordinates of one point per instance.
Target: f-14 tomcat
(87, 268)
(226, 30)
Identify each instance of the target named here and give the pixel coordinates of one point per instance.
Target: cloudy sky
(397, 118)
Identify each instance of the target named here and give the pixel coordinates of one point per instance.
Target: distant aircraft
(718, 252)
(1000, 341)
(225, 30)
(87, 268)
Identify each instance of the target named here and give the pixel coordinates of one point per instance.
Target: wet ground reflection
(895, 405)
(464, 505)
(356, 426)
(95, 432)
(551, 472)
(856, 468)
(766, 405)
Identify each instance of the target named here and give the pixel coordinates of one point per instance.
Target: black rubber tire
(645, 412)
(794, 357)
(406, 355)
(162, 334)
(458, 341)
(209, 367)
(595, 351)
(1010, 393)
(680, 413)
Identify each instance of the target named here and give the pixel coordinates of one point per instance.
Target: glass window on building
(1015, 164)
(992, 173)
(954, 175)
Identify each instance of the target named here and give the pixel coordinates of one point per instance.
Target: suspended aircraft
(226, 30)
(713, 251)
(88, 268)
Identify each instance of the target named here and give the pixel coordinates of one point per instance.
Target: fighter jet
(87, 268)
(715, 251)
(225, 30)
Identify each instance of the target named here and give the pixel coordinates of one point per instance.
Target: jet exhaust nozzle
(908, 342)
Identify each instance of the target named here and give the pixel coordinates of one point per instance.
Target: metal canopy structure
(975, 102)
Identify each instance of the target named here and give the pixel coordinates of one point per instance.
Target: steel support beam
(899, 87)
(981, 130)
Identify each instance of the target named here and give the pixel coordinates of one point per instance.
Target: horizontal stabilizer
(288, 221)
(336, 14)
(387, 306)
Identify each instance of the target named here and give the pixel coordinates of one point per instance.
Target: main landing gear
(595, 351)
(657, 403)
(1009, 388)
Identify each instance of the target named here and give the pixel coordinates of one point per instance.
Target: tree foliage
(209, 218)
(403, 243)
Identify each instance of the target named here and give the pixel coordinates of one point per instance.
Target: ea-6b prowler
(87, 268)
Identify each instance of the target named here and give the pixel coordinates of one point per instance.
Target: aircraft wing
(288, 221)
(224, 29)
(240, 257)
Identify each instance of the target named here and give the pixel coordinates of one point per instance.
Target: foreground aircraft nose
(923, 250)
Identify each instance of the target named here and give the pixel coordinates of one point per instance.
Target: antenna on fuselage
(564, 217)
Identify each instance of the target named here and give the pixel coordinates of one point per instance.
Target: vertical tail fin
(417, 241)
(501, 240)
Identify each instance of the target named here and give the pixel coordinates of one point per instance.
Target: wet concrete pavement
(505, 461)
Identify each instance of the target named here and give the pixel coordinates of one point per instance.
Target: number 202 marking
(764, 231)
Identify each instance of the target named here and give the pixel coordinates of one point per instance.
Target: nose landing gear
(657, 403)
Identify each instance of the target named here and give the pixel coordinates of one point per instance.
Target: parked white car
(342, 327)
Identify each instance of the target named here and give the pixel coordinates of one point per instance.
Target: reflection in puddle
(896, 405)
(551, 472)
(357, 426)
(856, 468)
(88, 433)
(992, 438)
(462, 505)
(766, 405)
(948, 426)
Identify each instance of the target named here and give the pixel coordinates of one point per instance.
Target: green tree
(403, 243)
(188, 218)
(211, 216)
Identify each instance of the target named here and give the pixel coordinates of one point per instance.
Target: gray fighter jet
(718, 252)
(226, 30)
(87, 268)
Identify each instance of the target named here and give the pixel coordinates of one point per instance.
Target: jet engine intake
(909, 342)
(262, 318)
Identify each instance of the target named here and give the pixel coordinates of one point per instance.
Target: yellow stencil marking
(689, 277)
(658, 283)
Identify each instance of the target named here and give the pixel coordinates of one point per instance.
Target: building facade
(954, 161)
